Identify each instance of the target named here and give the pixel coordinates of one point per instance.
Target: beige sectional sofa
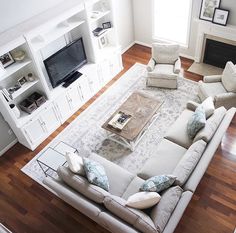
(176, 154)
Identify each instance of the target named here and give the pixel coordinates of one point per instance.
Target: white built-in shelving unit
(39, 38)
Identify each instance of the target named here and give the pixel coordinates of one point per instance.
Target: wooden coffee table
(143, 109)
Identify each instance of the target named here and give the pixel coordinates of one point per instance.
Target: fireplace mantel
(207, 28)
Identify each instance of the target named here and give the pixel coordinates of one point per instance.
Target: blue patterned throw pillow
(96, 174)
(196, 122)
(158, 183)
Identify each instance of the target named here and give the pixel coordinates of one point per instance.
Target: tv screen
(60, 65)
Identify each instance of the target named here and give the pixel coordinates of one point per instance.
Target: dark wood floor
(27, 207)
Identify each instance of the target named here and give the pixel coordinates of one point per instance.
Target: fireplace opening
(218, 53)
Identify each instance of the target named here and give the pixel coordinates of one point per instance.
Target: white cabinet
(74, 97)
(84, 88)
(38, 128)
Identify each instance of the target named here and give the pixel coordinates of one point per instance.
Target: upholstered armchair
(221, 87)
(164, 66)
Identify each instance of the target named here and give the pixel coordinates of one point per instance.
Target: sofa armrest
(151, 65)
(191, 105)
(212, 78)
(227, 100)
(177, 66)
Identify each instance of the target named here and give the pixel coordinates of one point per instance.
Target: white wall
(13, 12)
(124, 22)
(142, 10)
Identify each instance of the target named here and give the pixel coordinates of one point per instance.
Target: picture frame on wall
(6, 60)
(103, 42)
(208, 8)
(220, 16)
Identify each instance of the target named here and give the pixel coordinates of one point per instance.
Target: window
(172, 20)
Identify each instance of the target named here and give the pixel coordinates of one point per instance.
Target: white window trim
(162, 40)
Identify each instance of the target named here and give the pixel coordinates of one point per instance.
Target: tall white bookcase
(44, 35)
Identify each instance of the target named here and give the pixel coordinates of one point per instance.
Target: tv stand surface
(72, 78)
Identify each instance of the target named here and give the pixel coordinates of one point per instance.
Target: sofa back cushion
(211, 126)
(137, 218)
(229, 77)
(188, 162)
(165, 53)
(161, 213)
(81, 185)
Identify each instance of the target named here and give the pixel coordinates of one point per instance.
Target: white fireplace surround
(207, 29)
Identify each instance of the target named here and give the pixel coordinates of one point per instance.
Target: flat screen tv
(61, 65)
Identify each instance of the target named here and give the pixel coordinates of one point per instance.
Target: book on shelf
(120, 120)
(6, 95)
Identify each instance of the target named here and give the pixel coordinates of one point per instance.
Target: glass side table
(52, 158)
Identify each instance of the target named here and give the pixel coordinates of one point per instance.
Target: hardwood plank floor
(25, 206)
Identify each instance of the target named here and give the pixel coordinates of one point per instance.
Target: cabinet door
(35, 131)
(74, 97)
(84, 89)
(63, 107)
(115, 64)
(50, 119)
(105, 71)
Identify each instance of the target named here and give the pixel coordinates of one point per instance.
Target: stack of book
(6, 95)
(120, 120)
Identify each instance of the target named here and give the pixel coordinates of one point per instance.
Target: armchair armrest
(227, 100)
(212, 79)
(177, 66)
(191, 105)
(151, 65)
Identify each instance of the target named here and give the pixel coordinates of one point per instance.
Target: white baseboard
(8, 147)
(141, 43)
(128, 47)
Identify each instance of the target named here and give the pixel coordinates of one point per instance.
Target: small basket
(28, 106)
(37, 98)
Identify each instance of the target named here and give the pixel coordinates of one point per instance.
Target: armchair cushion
(212, 79)
(151, 65)
(229, 77)
(228, 100)
(177, 66)
(165, 53)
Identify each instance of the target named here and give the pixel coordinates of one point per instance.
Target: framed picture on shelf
(106, 25)
(220, 16)
(208, 8)
(6, 59)
(103, 42)
(21, 81)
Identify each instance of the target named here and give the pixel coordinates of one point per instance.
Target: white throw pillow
(229, 77)
(143, 200)
(165, 53)
(208, 105)
(75, 163)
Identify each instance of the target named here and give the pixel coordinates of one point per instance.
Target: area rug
(204, 69)
(86, 135)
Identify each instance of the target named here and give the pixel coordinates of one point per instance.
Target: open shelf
(61, 29)
(23, 88)
(14, 68)
(104, 33)
(99, 15)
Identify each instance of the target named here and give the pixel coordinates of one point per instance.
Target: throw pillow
(209, 107)
(229, 77)
(196, 122)
(158, 183)
(143, 200)
(96, 174)
(75, 163)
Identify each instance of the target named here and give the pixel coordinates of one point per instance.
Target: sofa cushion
(229, 77)
(133, 187)
(188, 162)
(165, 53)
(96, 173)
(82, 185)
(196, 122)
(208, 105)
(161, 213)
(143, 200)
(75, 163)
(119, 178)
(178, 131)
(158, 183)
(211, 126)
(139, 219)
(164, 159)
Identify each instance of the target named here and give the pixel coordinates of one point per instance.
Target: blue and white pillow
(96, 174)
(158, 183)
(196, 122)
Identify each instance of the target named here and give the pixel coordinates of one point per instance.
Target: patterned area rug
(86, 135)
